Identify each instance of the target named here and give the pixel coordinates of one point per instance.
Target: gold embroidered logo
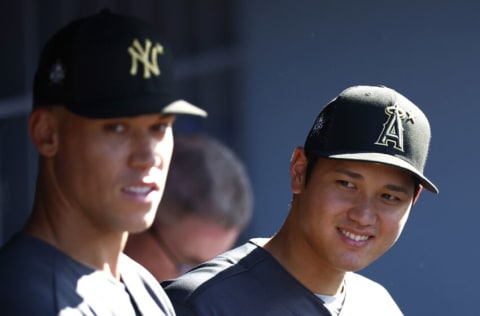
(141, 55)
(393, 129)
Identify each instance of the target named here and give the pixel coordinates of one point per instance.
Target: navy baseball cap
(373, 124)
(106, 66)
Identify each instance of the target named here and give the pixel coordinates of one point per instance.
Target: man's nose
(363, 211)
(144, 148)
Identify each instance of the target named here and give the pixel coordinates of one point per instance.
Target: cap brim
(387, 160)
(183, 107)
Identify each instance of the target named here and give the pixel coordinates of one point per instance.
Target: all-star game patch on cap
(373, 124)
(107, 66)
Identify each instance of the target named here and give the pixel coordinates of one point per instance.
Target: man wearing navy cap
(102, 124)
(353, 183)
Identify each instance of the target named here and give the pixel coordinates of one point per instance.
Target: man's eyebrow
(396, 188)
(165, 116)
(348, 173)
(355, 175)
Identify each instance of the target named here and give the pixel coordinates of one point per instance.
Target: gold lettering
(141, 55)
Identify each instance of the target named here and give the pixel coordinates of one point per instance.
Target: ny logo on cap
(393, 129)
(141, 55)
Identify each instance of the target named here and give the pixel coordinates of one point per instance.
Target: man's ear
(417, 195)
(43, 129)
(298, 166)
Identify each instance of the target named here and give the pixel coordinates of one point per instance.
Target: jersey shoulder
(244, 281)
(26, 275)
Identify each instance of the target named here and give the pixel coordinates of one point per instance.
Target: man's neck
(297, 260)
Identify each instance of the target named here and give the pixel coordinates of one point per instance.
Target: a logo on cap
(318, 125)
(393, 129)
(142, 55)
(57, 73)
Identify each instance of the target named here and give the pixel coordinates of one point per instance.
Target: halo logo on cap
(373, 124)
(141, 55)
(318, 125)
(393, 129)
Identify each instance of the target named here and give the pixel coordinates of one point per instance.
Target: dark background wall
(264, 69)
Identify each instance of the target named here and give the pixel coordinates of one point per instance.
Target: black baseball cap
(108, 65)
(373, 124)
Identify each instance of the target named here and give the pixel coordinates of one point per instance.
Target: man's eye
(160, 127)
(346, 184)
(115, 128)
(390, 197)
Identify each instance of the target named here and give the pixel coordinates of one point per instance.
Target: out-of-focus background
(263, 70)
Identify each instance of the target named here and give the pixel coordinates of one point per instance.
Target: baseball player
(354, 183)
(102, 124)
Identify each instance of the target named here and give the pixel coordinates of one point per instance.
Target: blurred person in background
(207, 203)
